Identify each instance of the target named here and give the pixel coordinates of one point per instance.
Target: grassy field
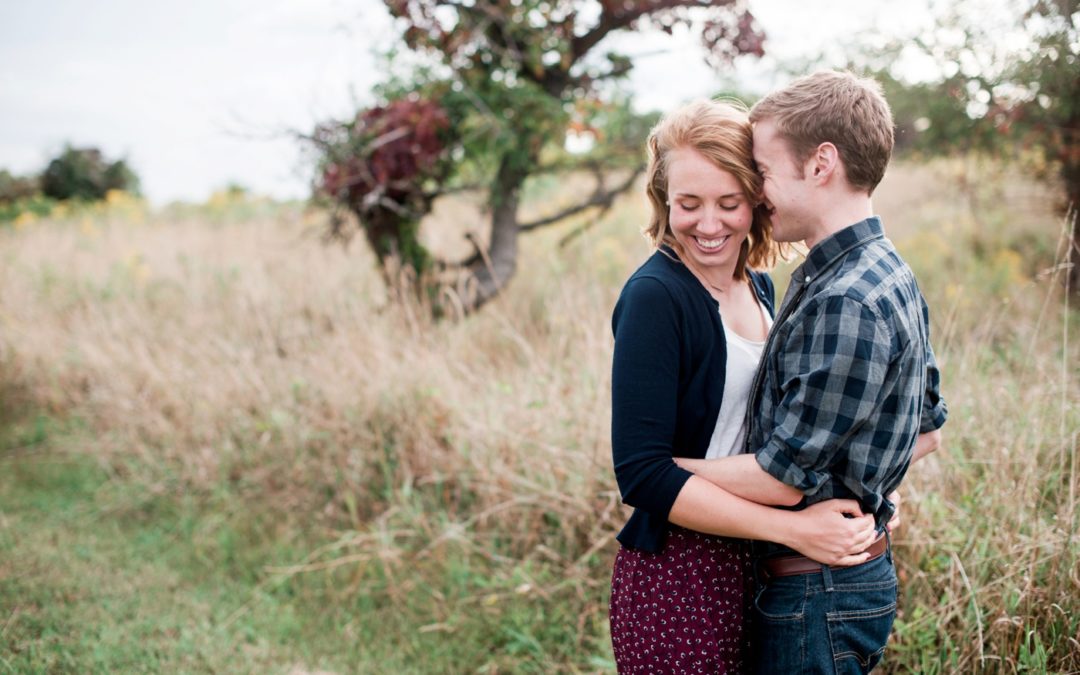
(223, 450)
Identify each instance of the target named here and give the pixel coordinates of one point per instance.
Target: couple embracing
(760, 447)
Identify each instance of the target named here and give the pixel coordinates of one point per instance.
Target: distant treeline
(77, 174)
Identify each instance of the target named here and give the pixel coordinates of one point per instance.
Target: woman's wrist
(785, 529)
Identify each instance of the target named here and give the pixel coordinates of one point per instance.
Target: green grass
(100, 576)
(103, 575)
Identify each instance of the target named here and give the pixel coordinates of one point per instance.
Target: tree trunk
(495, 266)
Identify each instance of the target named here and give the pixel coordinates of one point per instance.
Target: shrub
(13, 188)
(84, 173)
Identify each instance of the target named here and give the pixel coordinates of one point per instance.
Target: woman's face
(710, 216)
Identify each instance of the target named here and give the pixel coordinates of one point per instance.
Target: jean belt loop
(826, 577)
(888, 545)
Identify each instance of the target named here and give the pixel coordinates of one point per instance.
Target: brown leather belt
(791, 565)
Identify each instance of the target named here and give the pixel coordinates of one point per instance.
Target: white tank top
(743, 357)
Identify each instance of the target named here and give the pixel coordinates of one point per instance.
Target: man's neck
(842, 212)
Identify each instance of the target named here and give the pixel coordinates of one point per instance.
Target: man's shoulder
(869, 274)
(873, 284)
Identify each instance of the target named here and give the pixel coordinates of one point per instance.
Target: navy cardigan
(667, 382)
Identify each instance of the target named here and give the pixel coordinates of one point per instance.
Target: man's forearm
(743, 476)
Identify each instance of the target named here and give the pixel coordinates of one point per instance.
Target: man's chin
(782, 236)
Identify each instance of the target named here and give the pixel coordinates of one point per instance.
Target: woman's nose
(712, 220)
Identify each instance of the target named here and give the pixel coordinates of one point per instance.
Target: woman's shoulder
(663, 268)
(654, 290)
(651, 282)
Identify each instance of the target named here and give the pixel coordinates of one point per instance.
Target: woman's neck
(715, 279)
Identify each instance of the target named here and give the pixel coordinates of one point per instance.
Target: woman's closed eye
(694, 207)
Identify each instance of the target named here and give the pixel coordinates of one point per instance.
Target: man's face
(787, 194)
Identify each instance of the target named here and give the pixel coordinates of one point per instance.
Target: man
(847, 392)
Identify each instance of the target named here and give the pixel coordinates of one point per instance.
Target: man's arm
(832, 373)
(934, 411)
(834, 358)
(833, 367)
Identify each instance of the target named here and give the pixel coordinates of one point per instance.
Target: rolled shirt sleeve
(834, 364)
(645, 393)
(934, 410)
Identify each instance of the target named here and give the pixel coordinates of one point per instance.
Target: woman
(689, 328)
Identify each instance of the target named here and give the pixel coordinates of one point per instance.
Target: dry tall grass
(249, 354)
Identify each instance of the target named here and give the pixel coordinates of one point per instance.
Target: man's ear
(824, 162)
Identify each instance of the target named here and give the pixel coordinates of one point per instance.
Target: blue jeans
(836, 621)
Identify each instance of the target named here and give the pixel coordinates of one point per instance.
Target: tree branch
(615, 73)
(601, 197)
(467, 187)
(611, 21)
(578, 231)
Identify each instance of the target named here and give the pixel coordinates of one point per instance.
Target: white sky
(199, 94)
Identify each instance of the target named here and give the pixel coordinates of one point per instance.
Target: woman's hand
(824, 532)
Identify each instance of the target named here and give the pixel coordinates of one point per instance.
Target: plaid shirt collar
(832, 248)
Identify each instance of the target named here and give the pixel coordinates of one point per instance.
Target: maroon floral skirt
(685, 609)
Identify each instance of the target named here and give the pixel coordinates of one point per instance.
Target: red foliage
(394, 149)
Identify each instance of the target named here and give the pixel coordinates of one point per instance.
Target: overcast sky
(203, 93)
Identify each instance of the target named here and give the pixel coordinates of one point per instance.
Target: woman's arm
(926, 443)
(644, 396)
(741, 475)
(823, 532)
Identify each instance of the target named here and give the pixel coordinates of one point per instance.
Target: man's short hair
(839, 108)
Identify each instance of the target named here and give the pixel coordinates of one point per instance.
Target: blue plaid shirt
(848, 379)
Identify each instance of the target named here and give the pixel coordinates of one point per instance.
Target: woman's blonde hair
(721, 132)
